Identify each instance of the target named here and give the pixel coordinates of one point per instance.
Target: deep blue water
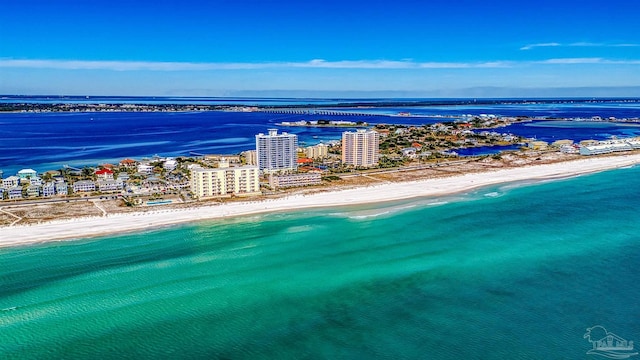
(486, 150)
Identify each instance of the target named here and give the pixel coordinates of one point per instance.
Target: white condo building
(360, 148)
(224, 181)
(277, 152)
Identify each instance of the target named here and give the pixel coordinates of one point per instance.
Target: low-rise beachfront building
(145, 169)
(62, 188)
(49, 189)
(36, 180)
(27, 173)
(34, 191)
(294, 180)
(595, 150)
(538, 145)
(561, 143)
(635, 143)
(231, 159)
(409, 152)
(225, 181)
(606, 147)
(109, 185)
(84, 186)
(589, 142)
(15, 192)
(569, 149)
(128, 163)
(10, 182)
(170, 164)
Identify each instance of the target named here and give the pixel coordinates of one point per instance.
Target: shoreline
(111, 224)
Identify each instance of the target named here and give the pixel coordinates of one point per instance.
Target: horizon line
(407, 64)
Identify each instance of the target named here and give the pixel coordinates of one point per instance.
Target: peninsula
(382, 191)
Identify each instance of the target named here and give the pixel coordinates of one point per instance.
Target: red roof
(104, 172)
(305, 161)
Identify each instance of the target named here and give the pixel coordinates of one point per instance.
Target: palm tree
(87, 172)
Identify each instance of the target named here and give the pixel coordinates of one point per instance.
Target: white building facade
(276, 152)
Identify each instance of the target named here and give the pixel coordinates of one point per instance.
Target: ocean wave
(366, 216)
(436, 203)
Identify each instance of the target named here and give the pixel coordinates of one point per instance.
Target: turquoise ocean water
(510, 272)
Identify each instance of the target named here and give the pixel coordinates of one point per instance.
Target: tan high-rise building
(225, 181)
(360, 148)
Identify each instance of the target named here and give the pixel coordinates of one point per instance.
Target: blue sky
(322, 48)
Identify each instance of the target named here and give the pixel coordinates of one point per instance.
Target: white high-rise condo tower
(277, 152)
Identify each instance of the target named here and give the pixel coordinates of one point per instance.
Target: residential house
(104, 174)
(49, 189)
(34, 190)
(10, 182)
(109, 185)
(84, 186)
(62, 188)
(36, 180)
(538, 145)
(409, 152)
(128, 163)
(145, 169)
(27, 173)
(170, 164)
(15, 192)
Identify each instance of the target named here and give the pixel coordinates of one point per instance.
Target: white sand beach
(125, 222)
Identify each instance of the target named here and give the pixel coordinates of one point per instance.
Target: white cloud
(600, 61)
(191, 66)
(577, 44)
(531, 46)
(312, 64)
